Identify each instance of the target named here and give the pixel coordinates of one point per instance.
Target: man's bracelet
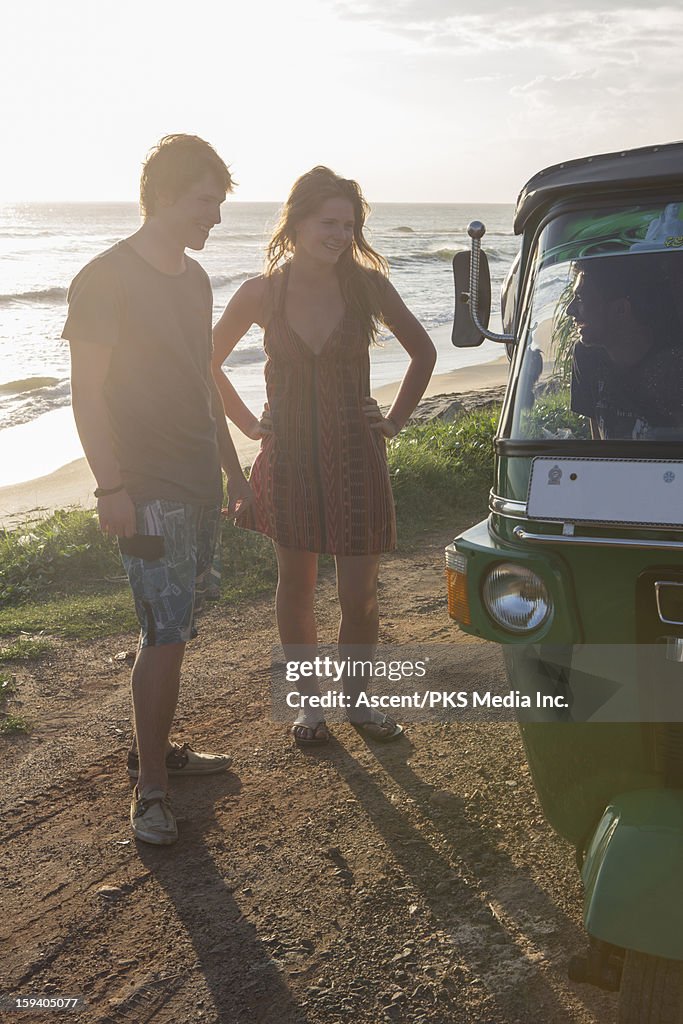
(104, 492)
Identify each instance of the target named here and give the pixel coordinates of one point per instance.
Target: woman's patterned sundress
(320, 480)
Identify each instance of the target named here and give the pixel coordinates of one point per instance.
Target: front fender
(483, 548)
(633, 874)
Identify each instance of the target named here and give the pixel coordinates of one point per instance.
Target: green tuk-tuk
(578, 570)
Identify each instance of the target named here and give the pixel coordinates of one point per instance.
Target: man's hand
(117, 515)
(240, 495)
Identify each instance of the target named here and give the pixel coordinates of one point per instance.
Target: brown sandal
(312, 740)
(372, 728)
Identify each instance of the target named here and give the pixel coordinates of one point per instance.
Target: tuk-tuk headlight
(516, 598)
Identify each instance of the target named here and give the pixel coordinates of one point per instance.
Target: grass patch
(550, 416)
(13, 724)
(66, 550)
(249, 567)
(25, 648)
(79, 616)
(9, 723)
(438, 469)
(7, 686)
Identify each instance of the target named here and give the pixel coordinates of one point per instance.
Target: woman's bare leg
(357, 589)
(358, 632)
(294, 611)
(297, 577)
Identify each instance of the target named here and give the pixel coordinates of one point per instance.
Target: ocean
(43, 245)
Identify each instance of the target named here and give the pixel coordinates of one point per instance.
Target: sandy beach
(72, 485)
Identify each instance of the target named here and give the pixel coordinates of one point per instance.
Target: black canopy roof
(633, 168)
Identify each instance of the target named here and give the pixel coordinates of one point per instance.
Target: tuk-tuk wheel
(651, 990)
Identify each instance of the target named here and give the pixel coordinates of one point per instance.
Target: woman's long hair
(362, 272)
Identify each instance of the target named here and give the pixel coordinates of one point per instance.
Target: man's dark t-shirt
(158, 388)
(641, 402)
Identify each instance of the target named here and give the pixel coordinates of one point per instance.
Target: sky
(419, 100)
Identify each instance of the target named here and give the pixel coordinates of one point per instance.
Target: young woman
(320, 480)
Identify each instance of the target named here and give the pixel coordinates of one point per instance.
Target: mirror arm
(476, 231)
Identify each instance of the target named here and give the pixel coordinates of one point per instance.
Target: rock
(444, 800)
(110, 892)
(449, 406)
(400, 957)
(442, 888)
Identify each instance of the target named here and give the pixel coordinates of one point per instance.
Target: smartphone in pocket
(140, 545)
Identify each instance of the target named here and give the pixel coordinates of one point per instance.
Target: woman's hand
(240, 496)
(263, 427)
(384, 424)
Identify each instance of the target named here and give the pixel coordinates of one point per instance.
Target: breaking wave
(40, 295)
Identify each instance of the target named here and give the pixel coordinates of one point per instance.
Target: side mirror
(476, 297)
(465, 333)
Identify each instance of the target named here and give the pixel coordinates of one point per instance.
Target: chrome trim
(669, 622)
(509, 509)
(519, 533)
(506, 507)
(674, 649)
(456, 561)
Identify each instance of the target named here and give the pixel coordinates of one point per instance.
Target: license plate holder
(632, 492)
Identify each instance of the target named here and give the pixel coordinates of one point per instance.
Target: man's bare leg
(155, 682)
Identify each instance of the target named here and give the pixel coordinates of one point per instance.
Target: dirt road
(415, 882)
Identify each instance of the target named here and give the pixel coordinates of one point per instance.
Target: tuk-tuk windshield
(602, 349)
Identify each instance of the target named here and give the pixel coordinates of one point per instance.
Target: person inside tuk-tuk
(627, 369)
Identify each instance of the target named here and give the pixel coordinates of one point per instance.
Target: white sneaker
(183, 760)
(152, 818)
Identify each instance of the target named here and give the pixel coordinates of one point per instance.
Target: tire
(651, 990)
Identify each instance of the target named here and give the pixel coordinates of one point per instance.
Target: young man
(155, 436)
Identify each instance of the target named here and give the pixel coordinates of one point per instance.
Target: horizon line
(269, 202)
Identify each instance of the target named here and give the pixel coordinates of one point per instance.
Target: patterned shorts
(167, 590)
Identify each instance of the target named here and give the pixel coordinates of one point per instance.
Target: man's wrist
(104, 492)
